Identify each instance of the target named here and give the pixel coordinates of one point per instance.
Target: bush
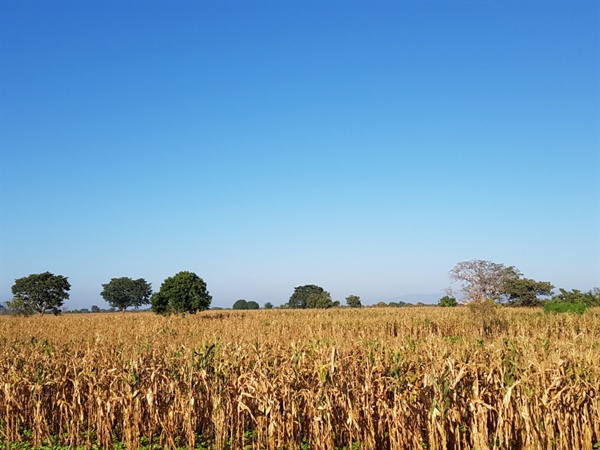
(557, 307)
(447, 301)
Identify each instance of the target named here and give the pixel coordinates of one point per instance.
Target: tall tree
(525, 291)
(299, 299)
(123, 293)
(319, 300)
(353, 301)
(482, 280)
(240, 304)
(184, 292)
(39, 293)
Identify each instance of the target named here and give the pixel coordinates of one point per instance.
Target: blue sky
(366, 147)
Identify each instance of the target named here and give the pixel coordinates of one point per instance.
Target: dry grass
(404, 378)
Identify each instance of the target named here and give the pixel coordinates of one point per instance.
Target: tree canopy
(485, 280)
(320, 300)
(591, 298)
(124, 292)
(240, 304)
(482, 280)
(39, 293)
(300, 297)
(184, 292)
(353, 301)
(243, 304)
(447, 301)
(525, 291)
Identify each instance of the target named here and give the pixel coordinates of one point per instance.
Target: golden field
(371, 378)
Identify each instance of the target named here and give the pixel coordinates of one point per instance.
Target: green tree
(299, 299)
(320, 300)
(482, 280)
(19, 306)
(252, 305)
(447, 301)
(95, 309)
(268, 305)
(590, 298)
(240, 304)
(184, 292)
(525, 291)
(39, 293)
(353, 301)
(123, 293)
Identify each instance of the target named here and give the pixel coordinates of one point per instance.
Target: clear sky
(364, 146)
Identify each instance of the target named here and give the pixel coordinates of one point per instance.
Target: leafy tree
(590, 298)
(243, 304)
(39, 293)
(252, 305)
(447, 301)
(184, 292)
(525, 291)
(240, 304)
(299, 299)
(95, 309)
(353, 301)
(19, 306)
(482, 280)
(381, 304)
(320, 300)
(124, 292)
(268, 305)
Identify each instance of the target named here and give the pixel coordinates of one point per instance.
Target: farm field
(371, 378)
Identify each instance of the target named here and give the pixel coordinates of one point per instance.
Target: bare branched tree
(481, 280)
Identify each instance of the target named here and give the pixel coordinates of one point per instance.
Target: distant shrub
(243, 304)
(397, 304)
(447, 301)
(557, 307)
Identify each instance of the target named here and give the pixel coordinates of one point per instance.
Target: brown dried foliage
(373, 378)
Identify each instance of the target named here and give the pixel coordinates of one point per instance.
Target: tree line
(186, 292)
(481, 281)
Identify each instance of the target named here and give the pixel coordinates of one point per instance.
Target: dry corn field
(372, 378)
